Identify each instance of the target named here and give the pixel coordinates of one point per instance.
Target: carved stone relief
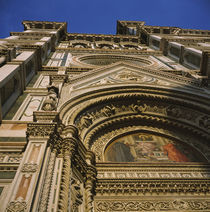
(50, 103)
(10, 158)
(17, 206)
(32, 105)
(128, 75)
(150, 187)
(151, 205)
(152, 175)
(29, 167)
(175, 111)
(76, 194)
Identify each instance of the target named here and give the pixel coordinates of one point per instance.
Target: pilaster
(25, 185)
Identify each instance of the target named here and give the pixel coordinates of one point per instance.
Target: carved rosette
(28, 167)
(90, 187)
(16, 206)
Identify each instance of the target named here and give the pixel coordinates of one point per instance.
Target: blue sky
(100, 16)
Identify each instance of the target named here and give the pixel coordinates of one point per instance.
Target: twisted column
(65, 184)
(69, 135)
(47, 183)
(89, 188)
(89, 195)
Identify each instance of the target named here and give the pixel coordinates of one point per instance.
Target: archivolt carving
(178, 112)
(140, 108)
(139, 119)
(141, 93)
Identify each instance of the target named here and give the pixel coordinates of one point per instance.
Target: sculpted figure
(174, 111)
(86, 121)
(49, 105)
(51, 100)
(138, 108)
(205, 122)
(108, 110)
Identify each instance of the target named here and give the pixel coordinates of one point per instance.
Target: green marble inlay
(1, 189)
(13, 139)
(10, 114)
(7, 174)
(33, 80)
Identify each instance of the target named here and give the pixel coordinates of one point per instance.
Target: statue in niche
(51, 100)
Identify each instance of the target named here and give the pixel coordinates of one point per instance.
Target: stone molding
(40, 130)
(152, 205)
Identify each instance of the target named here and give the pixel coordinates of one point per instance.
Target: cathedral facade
(98, 122)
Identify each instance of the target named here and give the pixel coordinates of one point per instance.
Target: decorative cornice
(176, 204)
(159, 186)
(40, 130)
(45, 116)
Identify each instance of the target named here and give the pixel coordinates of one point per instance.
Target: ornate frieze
(153, 205)
(58, 78)
(149, 187)
(40, 129)
(10, 158)
(151, 175)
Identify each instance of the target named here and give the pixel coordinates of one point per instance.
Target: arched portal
(147, 143)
